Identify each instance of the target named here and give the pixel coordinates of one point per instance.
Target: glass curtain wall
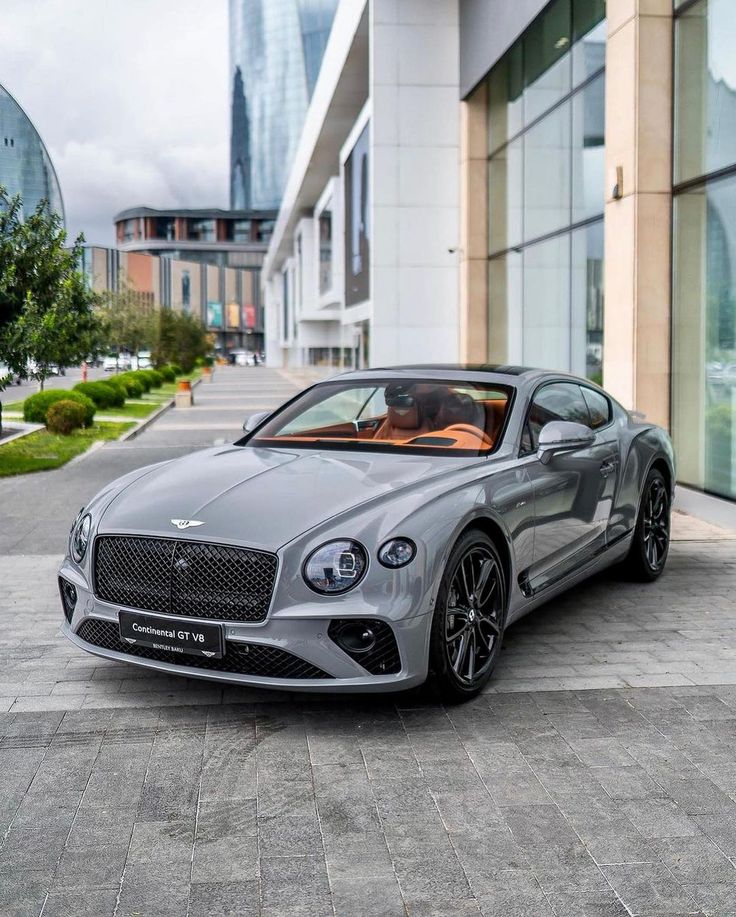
(704, 246)
(546, 193)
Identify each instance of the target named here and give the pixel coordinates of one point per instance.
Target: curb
(26, 429)
(147, 421)
(96, 445)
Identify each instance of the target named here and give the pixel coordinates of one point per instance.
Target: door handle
(608, 468)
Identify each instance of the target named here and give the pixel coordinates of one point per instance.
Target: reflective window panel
(705, 88)
(547, 164)
(704, 337)
(588, 150)
(546, 304)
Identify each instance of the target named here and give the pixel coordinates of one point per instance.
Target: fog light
(355, 638)
(68, 598)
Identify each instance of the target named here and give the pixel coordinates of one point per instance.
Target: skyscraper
(25, 166)
(276, 49)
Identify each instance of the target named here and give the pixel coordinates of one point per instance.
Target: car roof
(478, 372)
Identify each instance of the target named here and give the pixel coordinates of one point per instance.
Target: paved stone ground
(596, 777)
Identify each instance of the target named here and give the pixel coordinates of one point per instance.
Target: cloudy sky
(130, 97)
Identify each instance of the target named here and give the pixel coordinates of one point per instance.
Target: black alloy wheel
(651, 541)
(469, 618)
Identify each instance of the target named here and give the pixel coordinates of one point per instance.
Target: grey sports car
(382, 526)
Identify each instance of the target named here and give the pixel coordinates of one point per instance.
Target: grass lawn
(13, 406)
(135, 409)
(42, 450)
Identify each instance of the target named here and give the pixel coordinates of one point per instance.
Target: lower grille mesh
(239, 658)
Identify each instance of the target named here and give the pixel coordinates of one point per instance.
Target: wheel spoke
(468, 590)
(486, 568)
(471, 656)
(491, 624)
(461, 653)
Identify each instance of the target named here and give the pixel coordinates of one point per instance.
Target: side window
(599, 407)
(556, 401)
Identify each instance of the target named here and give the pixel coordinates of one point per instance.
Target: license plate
(187, 637)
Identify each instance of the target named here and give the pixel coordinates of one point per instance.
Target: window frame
(557, 381)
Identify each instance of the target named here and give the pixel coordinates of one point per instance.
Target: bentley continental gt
(381, 527)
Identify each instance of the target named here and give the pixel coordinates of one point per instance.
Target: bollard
(206, 374)
(184, 397)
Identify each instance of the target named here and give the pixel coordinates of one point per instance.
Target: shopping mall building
(547, 183)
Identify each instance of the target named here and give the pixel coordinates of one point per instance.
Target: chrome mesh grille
(240, 658)
(181, 577)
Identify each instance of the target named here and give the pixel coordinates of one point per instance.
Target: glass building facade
(25, 166)
(276, 49)
(545, 121)
(704, 246)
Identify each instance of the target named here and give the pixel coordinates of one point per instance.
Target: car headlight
(80, 538)
(398, 552)
(335, 567)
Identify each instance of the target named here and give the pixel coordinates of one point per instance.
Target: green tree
(180, 339)
(128, 319)
(47, 311)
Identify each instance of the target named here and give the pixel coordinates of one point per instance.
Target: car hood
(261, 497)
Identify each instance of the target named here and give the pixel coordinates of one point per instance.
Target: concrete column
(415, 216)
(473, 252)
(636, 349)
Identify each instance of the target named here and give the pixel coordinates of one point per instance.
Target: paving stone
(82, 902)
(294, 885)
(649, 888)
(367, 897)
(289, 835)
(90, 867)
(224, 899)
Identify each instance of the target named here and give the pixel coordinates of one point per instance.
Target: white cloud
(130, 97)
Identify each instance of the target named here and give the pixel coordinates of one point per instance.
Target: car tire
(651, 541)
(469, 618)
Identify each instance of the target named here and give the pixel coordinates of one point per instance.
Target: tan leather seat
(402, 423)
(461, 409)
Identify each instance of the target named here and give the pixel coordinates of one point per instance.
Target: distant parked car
(241, 357)
(143, 360)
(116, 362)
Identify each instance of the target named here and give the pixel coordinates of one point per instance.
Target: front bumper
(303, 635)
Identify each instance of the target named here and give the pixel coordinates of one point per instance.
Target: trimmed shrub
(142, 378)
(178, 371)
(35, 407)
(151, 376)
(103, 394)
(65, 417)
(119, 388)
(167, 373)
(139, 377)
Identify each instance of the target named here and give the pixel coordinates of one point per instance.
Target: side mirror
(563, 436)
(255, 420)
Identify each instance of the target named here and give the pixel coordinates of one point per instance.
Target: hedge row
(104, 393)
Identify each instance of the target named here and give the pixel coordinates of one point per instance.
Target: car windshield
(412, 415)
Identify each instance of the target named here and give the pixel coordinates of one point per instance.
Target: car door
(572, 492)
